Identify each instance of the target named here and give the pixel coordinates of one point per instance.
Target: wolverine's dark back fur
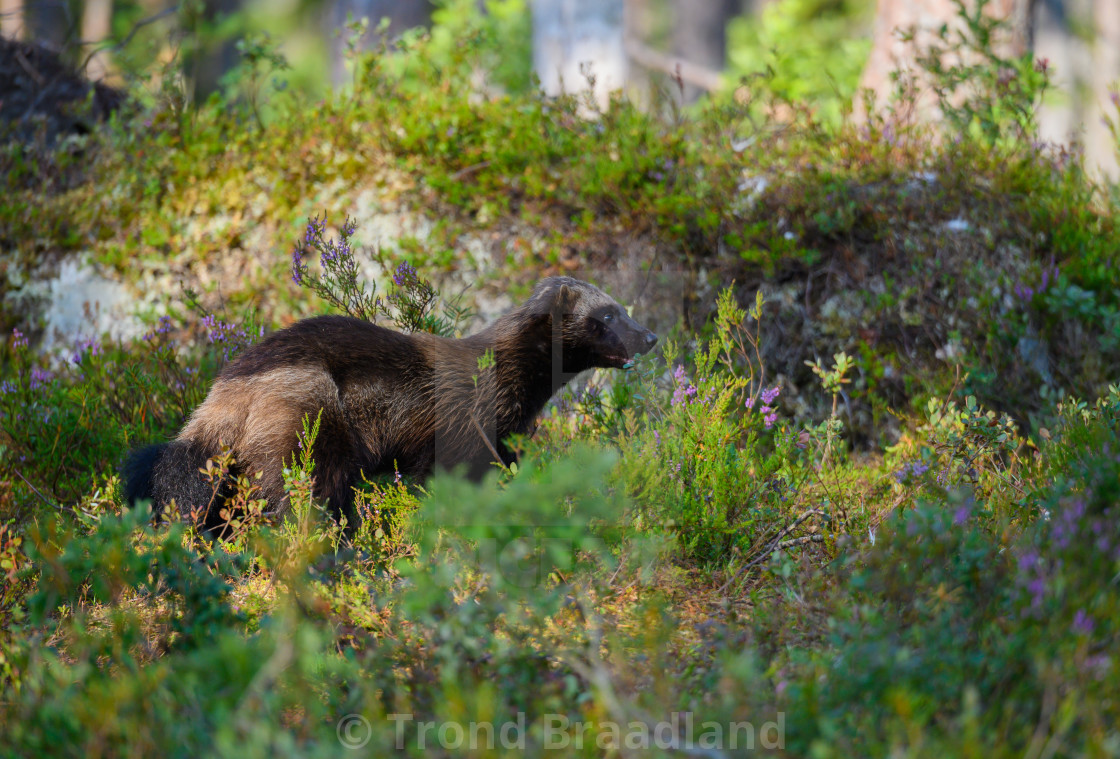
(339, 343)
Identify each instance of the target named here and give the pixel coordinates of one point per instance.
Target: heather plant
(340, 284)
(833, 381)
(718, 469)
(411, 302)
(973, 608)
(65, 423)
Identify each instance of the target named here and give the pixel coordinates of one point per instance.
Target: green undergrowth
(861, 501)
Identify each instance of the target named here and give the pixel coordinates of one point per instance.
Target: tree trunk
(890, 53)
(11, 18)
(699, 35)
(49, 23)
(96, 26)
(218, 55)
(1081, 74)
(1100, 147)
(577, 41)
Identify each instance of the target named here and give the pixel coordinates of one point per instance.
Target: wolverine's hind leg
(275, 442)
(337, 464)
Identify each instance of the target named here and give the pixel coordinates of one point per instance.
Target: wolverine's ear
(567, 298)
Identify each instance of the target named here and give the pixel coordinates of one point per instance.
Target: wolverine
(387, 401)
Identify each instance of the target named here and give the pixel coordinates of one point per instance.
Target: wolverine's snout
(635, 337)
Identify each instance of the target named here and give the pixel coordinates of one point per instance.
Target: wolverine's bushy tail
(137, 474)
(170, 472)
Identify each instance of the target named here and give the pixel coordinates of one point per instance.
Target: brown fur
(390, 400)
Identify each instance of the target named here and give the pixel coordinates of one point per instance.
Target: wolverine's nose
(651, 339)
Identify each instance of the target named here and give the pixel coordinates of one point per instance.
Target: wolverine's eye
(608, 318)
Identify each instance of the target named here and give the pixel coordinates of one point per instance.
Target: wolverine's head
(595, 330)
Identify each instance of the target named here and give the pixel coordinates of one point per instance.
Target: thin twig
(801, 541)
(36, 491)
(469, 170)
(682, 71)
(772, 545)
(31, 70)
(493, 450)
(799, 520)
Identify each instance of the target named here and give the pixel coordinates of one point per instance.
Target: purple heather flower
(85, 346)
(18, 339)
(961, 515)
(1082, 622)
(7, 387)
(39, 377)
(1097, 665)
(1028, 560)
(405, 275)
(315, 229)
(684, 389)
(750, 402)
(230, 337)
(297, 265)
(1037, 587)
(163, 326)
(910, 470)
(1032, 578)
(770, 417)
(768, 396)
(656, 438)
